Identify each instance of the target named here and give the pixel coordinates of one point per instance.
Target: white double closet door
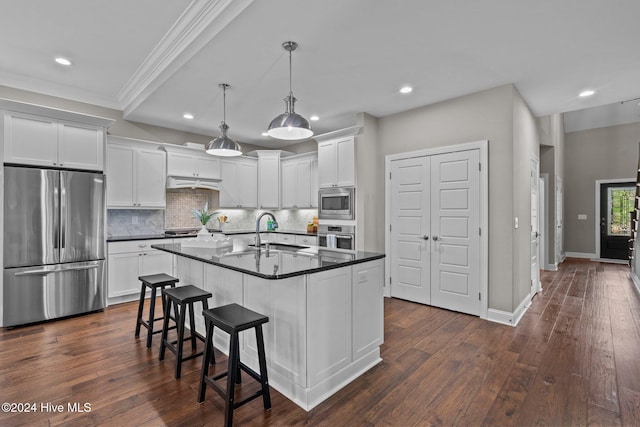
(435, 230)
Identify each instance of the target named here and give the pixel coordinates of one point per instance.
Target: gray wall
(603, 153)
(551, 162)
(484, 115)
(526, 143)
(370, 186)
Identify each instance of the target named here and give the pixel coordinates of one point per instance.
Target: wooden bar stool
(233, 319)
(182, 298)
(152, 281)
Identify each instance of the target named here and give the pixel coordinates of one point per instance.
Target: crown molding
(44, 87)
(196, 27)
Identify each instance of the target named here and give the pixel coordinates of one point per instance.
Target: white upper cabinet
(269, 179)
(299, 182)
(239, 186)
(136, 175)
(192, 165)
(336, 163)
(42, 141)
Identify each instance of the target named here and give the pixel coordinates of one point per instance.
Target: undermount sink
(281, 246)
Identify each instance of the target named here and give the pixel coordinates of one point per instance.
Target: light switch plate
(582, 216)
(515, 222)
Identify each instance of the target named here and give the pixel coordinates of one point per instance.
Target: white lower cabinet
(129, 260)
(368, 310)
(284, 301)
(329, 323)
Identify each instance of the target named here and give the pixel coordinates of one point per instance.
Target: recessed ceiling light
(188, 116)
(314, 118)
(63, 61)
(586, 93)
(406, 89)
(265, 134)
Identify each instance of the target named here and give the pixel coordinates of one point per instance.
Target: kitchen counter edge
(361, 257)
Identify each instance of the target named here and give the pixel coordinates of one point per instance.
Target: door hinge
(389, 279)
(389, 227)
(479, 296)
(389, 175)
(479, 166)
(479, 231)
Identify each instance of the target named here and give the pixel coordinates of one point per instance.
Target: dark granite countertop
(226, 233)
(280, 262)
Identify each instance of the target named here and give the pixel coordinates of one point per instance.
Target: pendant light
(224, 146)
(289, 125)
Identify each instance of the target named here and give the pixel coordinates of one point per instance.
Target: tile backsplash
(134, 222)
(180, 202)
(178, 214)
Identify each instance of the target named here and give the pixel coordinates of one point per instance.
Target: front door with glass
(616, 205)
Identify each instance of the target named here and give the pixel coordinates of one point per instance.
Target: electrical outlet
(134, 219)
(515, 222)
(363, 276)
(582, 216)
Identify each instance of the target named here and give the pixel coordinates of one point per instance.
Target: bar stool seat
(152, 281)
(182, 298)
(233, 319)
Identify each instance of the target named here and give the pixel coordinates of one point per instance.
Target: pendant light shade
(290, 125)
(223, 145)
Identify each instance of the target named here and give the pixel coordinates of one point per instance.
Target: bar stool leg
(208, 353)
(266, 396)
(140, 308)
(231, 380)
(180, 319)
(165, 329)
(238, 370)
(152, 311)
(192, 325)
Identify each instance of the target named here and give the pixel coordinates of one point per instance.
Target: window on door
(619, 208)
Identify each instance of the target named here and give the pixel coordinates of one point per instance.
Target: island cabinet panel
(329, 324)
(288, 329)
(226, 287)
(368, 310)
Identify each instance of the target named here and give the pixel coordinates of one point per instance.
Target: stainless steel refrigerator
(54, 245)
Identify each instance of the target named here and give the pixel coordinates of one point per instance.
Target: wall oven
(337, 237)
(336, 203)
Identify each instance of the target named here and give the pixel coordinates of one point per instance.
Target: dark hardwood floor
(574, 359)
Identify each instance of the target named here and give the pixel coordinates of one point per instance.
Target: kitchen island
(325, 310)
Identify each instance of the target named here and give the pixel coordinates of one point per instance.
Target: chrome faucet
(275, 225)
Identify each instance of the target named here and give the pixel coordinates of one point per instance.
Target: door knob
(424, 237)
(435, 237)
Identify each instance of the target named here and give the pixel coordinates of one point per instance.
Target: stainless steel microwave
(337, 203)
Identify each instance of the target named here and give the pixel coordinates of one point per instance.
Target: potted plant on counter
(204, 216)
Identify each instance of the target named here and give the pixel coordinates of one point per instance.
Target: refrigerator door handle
(63, 216)
(43, 272)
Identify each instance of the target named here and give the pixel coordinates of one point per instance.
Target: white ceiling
(157, 59)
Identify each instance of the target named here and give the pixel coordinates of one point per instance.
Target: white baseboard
(584, 255)
(636, 281)
(550, 267)
(507, 318)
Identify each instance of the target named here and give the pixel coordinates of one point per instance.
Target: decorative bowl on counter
(207, 242)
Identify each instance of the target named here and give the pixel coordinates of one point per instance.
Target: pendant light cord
(224, 103)
(290, 75)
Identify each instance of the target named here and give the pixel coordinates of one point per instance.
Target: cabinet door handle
(424, 237)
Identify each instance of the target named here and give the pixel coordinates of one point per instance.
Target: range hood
(185, 182)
